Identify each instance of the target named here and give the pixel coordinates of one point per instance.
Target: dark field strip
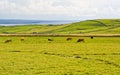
(65, 55)
(85, 58)
(99, 54)
(59, 35)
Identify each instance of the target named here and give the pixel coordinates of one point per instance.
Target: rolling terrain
(98, 26)
(40, 56)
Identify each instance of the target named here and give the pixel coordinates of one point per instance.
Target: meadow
(38, 56)
(97, 26)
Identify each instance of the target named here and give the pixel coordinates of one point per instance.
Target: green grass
(29, 28)
(37, 56)
(97, 26)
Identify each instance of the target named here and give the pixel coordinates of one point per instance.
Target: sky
(59, 9)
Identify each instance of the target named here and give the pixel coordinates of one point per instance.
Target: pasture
(96, 26)
(38, 56)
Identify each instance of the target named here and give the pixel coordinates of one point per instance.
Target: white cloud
(71, 8)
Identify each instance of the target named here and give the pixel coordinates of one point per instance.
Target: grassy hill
(98, 26)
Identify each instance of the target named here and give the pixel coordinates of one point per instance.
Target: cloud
(64, 8)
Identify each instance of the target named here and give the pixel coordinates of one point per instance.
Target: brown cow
(68, 39)
(80, 40)
(22, 39)
(8, 40)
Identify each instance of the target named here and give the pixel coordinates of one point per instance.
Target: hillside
(98, 26)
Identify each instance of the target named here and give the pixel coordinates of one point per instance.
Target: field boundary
(59, 35)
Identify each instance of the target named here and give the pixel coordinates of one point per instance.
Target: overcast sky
(59, 9)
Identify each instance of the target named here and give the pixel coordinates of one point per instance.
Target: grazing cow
(80, 40)
(22, 39)
(91, 37)
(8, 40)
(68, 39)
(50, 39)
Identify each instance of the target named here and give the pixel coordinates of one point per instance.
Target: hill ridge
(97, 26)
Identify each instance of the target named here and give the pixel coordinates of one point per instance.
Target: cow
(80, 40)
(91, 37)
(22, 39)
(68, 39)
(50, 39)
(8, 40)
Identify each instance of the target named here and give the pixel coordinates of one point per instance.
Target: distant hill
(98, 26)
(26, 22)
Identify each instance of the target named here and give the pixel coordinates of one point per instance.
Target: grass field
(38, 56)
(97, 26)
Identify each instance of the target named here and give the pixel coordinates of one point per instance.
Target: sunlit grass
(36, 55)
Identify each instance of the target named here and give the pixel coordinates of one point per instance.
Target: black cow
(50, 39)
(91, 37)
